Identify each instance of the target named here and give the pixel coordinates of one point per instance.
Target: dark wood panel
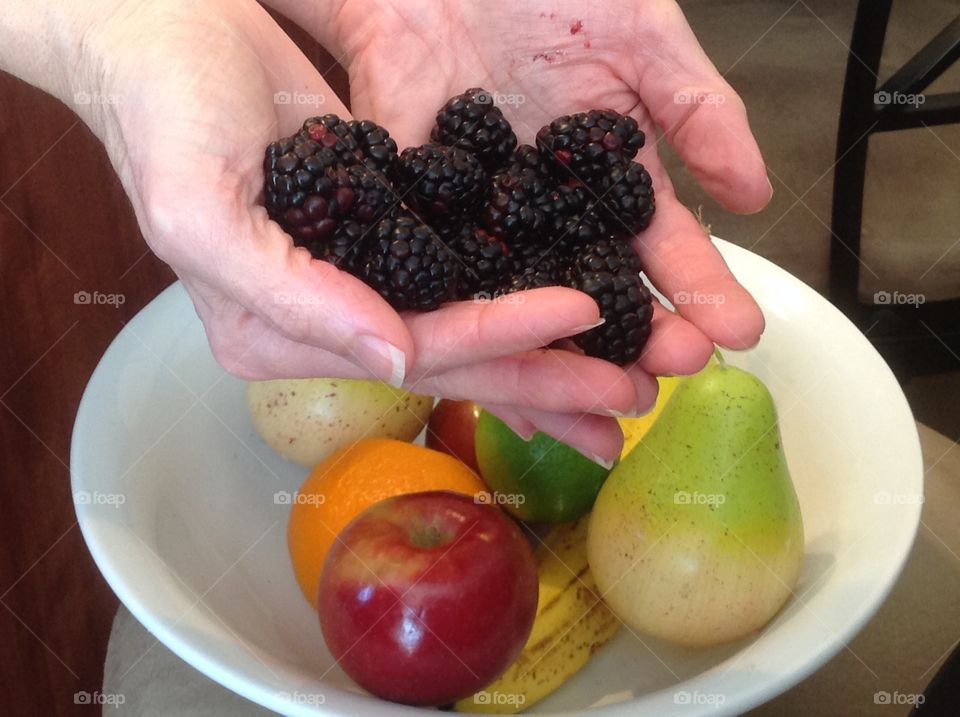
(65, 227)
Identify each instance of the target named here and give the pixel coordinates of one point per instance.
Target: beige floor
(787, 59)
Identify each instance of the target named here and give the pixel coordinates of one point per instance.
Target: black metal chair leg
(856, 121)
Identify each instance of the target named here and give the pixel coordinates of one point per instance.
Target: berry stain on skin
(576, 27)
(550, 56)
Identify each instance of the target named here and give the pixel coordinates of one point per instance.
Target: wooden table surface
(65, 227)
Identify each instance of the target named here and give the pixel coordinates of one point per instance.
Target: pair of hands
(197, 81)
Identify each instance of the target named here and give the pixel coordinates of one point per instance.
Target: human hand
(196, 88)
(638, 57)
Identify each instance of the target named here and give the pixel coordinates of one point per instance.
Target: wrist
(50, 46)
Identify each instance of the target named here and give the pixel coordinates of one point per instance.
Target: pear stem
(720, 359)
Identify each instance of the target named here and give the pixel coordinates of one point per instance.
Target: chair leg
(857, 119)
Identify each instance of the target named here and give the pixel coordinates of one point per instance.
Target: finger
(250, 348)
(470, 332)
(599, 438)
(549, 380)
(675, 347)
(701, 116)
(520, 425)
(687, 268)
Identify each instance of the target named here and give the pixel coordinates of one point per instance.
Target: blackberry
(609, 272)
(346, 248)
(565, 202)
(538, 269)
(576, 233)
(378, 150)
(440, 182)
(343, 193)
(472, 122)
(408, 264)
(334, 133)
(513, 206)
(588, 144)
(527, 156)
(626, 197)
(291, 168)
(484, 263)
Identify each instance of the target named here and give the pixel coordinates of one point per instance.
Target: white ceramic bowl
(175, 495)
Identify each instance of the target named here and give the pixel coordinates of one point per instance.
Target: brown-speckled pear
(696, 536)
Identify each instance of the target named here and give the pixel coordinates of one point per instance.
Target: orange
(353, 479)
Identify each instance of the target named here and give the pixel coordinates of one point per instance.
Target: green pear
(696, 537)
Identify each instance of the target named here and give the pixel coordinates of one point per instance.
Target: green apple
(541, 480)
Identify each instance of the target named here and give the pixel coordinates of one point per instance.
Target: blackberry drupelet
(409, 265)
(512, 207)
(343, 193)
(587, 145)
(609, 272)
(626, 198)
(484, 263)
(442, 183)
(473, 122)
(378, 150)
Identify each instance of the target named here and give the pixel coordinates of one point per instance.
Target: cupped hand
(199, 90)
(544, 59)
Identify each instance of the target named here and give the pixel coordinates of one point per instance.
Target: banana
(571, 624)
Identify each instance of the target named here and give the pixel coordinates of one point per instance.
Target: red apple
(427, 597)
(452, 427)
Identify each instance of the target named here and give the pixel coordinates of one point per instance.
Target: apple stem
(720, 359)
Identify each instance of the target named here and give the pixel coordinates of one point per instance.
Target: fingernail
(381, 358)
(632, 413)
(770, 193)
(526, 435)
(587, 327)
(602, 462)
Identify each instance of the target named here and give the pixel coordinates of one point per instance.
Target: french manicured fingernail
(526, 434)
(600, 461)
(632, 413)
(770, 193)
(381, 358)
(587, 327)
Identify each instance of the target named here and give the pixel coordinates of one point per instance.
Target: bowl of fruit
(342, 547)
